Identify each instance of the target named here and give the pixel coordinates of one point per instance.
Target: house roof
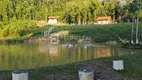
(53, 17)
(104, 18)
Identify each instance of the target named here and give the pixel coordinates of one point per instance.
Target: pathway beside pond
(101, 72)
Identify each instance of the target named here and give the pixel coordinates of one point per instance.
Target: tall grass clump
(18, 28)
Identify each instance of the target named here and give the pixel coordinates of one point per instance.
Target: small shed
(104, 20)
(53, 19)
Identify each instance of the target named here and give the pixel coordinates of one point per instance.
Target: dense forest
(80, 11)
(16, 15)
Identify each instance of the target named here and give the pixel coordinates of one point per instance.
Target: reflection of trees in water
(115, 51)
(76, 54)
(81, 53)
(21, 56)
(43, 47)
(53, 51)
(102, 52)
(69, 52)
(118, 51)
(29, 56)
(53, 54)
(90, 53)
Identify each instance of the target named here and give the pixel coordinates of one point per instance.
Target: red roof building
(53, 20)
(104, 20)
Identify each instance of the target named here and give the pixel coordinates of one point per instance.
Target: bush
(19, 28)
(131, 46)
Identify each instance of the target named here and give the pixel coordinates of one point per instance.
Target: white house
(53, 19)
(104, 20)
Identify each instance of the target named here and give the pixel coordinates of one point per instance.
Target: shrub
(132, 46)
(19, 28)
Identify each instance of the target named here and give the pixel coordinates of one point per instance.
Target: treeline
(69, 11)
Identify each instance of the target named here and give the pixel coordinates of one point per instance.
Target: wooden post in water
(118, 65)
(86, 74)
(20, 75)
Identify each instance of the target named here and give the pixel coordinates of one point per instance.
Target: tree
(134, 8)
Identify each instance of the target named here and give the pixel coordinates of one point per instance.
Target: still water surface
(30, 56)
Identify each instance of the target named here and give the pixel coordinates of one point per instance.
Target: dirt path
(101, 70)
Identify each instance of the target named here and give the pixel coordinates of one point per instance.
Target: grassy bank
(98, 33)
(132, 64)
(133, 69)
(17, 30)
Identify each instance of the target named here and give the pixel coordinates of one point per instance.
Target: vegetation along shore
(98, 33)
(23, 22)
(102, 70)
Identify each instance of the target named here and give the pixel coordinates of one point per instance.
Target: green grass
(98, 33)
(131, 46)
(69, 69)
(41, 73)
(132, 71)
(132, 65)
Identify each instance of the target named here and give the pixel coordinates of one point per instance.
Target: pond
(30, 56)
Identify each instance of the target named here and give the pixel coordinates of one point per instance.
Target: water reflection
(29, 56)
(102, 52)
